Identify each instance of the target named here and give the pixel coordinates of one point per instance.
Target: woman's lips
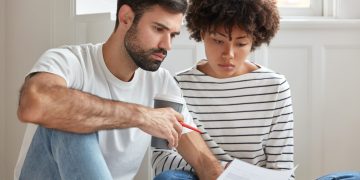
(226, 66)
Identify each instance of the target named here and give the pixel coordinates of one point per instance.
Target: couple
(92, 103)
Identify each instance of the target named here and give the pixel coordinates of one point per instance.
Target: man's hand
(163, 123)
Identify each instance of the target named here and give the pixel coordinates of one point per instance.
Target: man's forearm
(82, 112)
(58, 107)
(194, 150)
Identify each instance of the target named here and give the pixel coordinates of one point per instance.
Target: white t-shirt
(83, 68)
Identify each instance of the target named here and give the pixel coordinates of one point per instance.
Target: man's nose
(165, 42)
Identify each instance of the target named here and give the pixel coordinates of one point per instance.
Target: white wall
(2, 85)
(320, 59)
(309, 57)
(27, 36)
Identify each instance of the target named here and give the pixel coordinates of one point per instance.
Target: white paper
(240, 170)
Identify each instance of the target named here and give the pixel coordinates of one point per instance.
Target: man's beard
(140, 56)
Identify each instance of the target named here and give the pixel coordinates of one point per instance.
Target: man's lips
(159, 56)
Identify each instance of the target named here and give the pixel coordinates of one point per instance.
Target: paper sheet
(240, 170)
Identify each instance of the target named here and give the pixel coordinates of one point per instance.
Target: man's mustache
(161, 50)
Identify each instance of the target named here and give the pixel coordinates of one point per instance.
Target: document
(240, 170)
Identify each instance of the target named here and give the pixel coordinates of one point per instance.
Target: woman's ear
(125, 15)
(202, 35)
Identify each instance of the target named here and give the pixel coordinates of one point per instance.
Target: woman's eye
(218, 41)
(241, 44)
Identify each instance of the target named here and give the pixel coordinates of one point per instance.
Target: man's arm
(45, 100)
(194, 150)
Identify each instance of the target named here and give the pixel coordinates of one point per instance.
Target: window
(286, 7)
(300, 7)
(84, 7)
(294, 3)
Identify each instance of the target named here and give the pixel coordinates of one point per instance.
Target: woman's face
(226, 54)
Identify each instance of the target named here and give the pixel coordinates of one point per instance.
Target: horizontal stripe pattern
(249, 117)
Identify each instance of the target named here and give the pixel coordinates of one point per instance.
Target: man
(91, 102)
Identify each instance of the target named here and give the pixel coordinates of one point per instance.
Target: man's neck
(117, 60)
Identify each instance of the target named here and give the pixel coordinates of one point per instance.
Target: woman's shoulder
(190, 72)
(270, 76)
(265, 72)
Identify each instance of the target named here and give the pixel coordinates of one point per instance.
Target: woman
(244, 109)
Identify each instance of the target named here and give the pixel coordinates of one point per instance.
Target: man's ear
(126, 15)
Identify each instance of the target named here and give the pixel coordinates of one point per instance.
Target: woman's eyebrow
(226, 36)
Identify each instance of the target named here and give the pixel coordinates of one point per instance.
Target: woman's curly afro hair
(258, 18)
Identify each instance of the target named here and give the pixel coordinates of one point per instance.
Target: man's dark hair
(140, 6)
(258, 18)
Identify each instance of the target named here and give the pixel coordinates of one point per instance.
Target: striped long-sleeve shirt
(248, 117)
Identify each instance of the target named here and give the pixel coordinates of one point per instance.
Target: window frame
(316, 9)
(105, 7)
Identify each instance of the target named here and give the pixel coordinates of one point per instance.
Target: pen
(190, 127)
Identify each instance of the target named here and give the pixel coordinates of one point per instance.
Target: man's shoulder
(81, 48)
(76, 48)
(82, 51)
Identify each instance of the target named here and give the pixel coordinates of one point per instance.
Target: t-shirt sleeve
(171, 87)
(61, 62)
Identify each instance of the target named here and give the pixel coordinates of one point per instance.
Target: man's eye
(159, 29)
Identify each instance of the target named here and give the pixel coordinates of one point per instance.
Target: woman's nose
(228, 53)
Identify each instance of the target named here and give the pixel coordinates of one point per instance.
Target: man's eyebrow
(167, 28)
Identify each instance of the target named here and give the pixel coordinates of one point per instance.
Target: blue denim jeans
(176, 175)
(341, 176)
(60, 155)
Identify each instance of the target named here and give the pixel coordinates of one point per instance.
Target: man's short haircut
(258, 18)
(140, 6)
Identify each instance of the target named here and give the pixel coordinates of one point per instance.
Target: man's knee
(176, 175)
(342, 176)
